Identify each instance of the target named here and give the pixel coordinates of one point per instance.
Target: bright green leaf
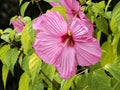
(3, 51)
(98, 80)
(98, 8)
(114, 70)
(108, 56)
(34, 66)
(115, 21)
(26, 19)
(20, 1)
(25, 64)
(27, 38)
(66, 84)
(5, 72)
(23, 8)
(1, 31)
(6, 34)
(24, 82)
(10, 58)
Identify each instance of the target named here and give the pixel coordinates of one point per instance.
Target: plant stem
(49, 79)
(108, 3)
(38, 5)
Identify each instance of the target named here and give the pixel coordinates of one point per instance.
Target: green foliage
(5, 71)
(10, 58)
(37, 75)
(27, 38)
(97, 82)
(23, 8)
(51, 0)
(115, 20)
(24, 82)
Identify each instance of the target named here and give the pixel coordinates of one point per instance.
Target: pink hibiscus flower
(18, 24)
(73, 10)
(65, 45)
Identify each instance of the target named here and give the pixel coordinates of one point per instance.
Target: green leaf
(118, 47)
(3, 51)
(49, 71)
(25, 64)
(115, 21)
(102, 25)
(98, 8)
(37, 85)
(115, 84)
(6, 35)
(27, 38)
(10, 58)
(24, 82)
(34, 66)
(20, 2)
(108, 56)
(51, 0)
(98, 80)
(5, 72)
(61, 10)
(1, 31)
(81, 82)
(26, 19)
(66, 84)
(114, 70)
(23, 8)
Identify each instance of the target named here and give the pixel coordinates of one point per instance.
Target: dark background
(10, 8)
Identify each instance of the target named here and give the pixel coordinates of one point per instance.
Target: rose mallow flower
(64, 45)
(18, 24)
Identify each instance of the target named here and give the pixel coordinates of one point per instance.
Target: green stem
(106, 8)
(38, 5)
(49, 79)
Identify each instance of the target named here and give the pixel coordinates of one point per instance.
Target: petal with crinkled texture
(70, 5)
(88, 52)
(47, 47)
(52, 23)
(67, 63)
(79, 30)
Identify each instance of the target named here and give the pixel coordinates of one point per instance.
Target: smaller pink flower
(18, 24)
(63, 44)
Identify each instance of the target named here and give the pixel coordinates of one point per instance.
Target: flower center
(67, 39)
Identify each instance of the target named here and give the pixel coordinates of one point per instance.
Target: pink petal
(52, 23)
(70, 5)
(37, 23)
(54, 4)
(47, 47)
(18, 24)
(88, 53)
(79, 30)
(67, 63)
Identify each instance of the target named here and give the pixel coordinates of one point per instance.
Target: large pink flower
(18, 24)
(73, 10)
(65, 45)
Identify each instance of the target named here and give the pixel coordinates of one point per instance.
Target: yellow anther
(69, 33)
